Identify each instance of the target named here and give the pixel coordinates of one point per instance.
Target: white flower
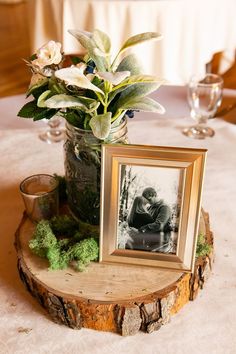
(49, 54)
(74, 76)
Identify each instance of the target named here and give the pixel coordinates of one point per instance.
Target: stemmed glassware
(204, 97)
(54, 133)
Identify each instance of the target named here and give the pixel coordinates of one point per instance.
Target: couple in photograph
(151, 217)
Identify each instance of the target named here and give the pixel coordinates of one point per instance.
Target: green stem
(107, 89)
(106, 103)
(114, 61)
(99, 96)
(118, 113)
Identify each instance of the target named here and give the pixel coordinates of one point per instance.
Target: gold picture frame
(163, 183)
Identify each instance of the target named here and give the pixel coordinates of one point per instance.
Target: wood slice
(109, 297)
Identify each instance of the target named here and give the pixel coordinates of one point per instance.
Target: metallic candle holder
(40, 196)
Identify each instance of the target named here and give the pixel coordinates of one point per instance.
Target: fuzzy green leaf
(64, 101)
(85, 104)
(130, 63)
(102, 40)
(140, 38)
(101, 125)
(136, 79)
(42, 98)
(145, 104)
(113, 78)
(86, 40)
(134, 87)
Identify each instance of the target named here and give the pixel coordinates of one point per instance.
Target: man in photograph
(159, 211)
(156, 234)
(150, 223)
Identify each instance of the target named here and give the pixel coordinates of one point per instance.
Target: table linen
(206, 325)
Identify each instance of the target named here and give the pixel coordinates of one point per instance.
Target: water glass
(40, 196)
(204, 97)
(54, 133)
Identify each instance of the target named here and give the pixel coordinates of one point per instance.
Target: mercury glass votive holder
(40, 196)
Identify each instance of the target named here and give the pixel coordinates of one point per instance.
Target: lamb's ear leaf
(140, 89)
(130, 63)
(80, 35)
(113, 78)
(140, 79)
(135, 40)
(101, 125)
(141, 84)
(140, 38)
(87, 41)
(145, 104)
(64, 101)
(42, 98)
(102, 41)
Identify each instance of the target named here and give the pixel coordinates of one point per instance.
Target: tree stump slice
(110, 297)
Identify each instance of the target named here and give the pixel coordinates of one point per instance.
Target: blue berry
(130, 113)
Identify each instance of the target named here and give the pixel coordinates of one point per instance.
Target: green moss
(84, 252)
(61, 242)
(64, 225)
(43, 239)
(203, 248)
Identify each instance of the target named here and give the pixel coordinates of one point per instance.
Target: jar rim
(122, 123)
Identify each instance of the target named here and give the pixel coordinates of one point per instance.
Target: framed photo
(150, 205)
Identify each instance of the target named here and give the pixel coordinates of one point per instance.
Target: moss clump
(203, 248)
(61, 242)
(83, 252)
(64, 225)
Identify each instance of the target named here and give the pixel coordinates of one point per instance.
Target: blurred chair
(216, 65)
(227, 110)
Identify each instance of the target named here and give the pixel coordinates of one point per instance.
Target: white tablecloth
(206, 325)
(192, 30)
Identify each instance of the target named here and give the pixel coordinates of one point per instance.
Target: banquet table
(192, 30)
(206, 325)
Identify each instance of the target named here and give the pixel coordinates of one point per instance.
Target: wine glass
(204, 97)
(54, 133)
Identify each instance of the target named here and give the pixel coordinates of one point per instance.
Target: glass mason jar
(82, 160)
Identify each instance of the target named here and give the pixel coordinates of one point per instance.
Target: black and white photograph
(149, 208)
(150, 205)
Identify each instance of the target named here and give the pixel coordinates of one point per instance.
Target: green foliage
(76, 60)
(64, 225)
(43, 239)
(88, 101)
(84, 252)
(130, 63)
(203, 248)
(30, 109)
(62, 243)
